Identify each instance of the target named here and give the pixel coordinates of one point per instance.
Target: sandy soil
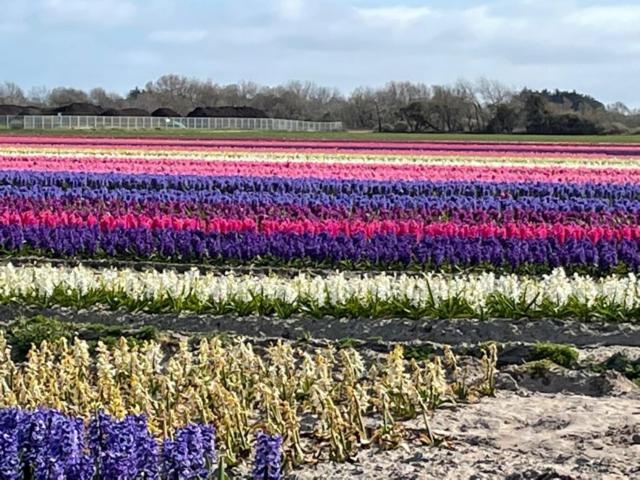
(516, 436)
(441, 331)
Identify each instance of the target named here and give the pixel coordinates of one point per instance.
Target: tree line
(484, 106)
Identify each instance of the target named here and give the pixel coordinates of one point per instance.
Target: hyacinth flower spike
(268, 457)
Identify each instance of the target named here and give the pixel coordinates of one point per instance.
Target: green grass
(25, 332)
(28, 331)
(621, 363)
(558, 353)
(539, 368)
(419, 352)
(345, 135)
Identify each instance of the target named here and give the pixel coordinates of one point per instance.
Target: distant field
(347, 135)
(178, 254)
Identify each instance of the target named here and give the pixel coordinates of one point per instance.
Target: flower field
(285, 228)
(524, 209)
(128, 397)
(515, 209)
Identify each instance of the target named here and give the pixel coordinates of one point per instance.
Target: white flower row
(334, 289)
(330, 158)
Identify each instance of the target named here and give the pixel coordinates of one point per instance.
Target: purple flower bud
(268, 457)
(190, 454)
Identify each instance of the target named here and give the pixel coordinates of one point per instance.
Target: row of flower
(364, 171)
(265, 205)
(338, 294)
(206, 186)
(432, 158)
(323, 404)
(323, 250)
(347, 146)
(45, 444)
(228, 217)
(213, 224)
(260, 207)
(203, 188)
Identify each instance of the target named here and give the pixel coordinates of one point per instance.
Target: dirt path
(515, 436)
(442, 331)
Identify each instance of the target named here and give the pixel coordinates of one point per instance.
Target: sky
(590, 46)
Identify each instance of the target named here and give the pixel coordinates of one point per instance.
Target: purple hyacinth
(52, 446)
(190, 454)
(10, 464)
(468, 202)
(384, 250)
(194, 185)
(268, 457)
(123, 449)
(67, 447)
(357, 206)
(47, 445)
(36, 437)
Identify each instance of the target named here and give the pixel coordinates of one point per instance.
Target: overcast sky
(592, 46)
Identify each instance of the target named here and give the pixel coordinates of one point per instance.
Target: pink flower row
(561, 232)
(368, 171)
(344, 146)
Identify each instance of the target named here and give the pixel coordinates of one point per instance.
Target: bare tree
(492, 92)
(99, 96)
(38, 96)
(64, 96)
(484, 105)
(11, 93)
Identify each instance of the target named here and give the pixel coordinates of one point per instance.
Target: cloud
(178, 36)
(14, 18)
(290, 9)
(94, 12)
(140, 58)
(581, 44)
(616, 19)
(395, 16)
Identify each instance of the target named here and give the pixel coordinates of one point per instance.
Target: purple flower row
(383, 250)
(343, 201)
(175, 184)
(463, 202)
(262, 207)
(47, 445)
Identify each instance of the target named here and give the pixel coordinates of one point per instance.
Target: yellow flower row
(239, 390)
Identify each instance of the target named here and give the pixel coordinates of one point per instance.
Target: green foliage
(419, 352)
(110, 334)
(348, 342)
(558, 353)
(416, 116)
(539, 368)
(496, 306)
(623, 364)
(576, 101)
(504, 120)
(536, 113)
(26, 332)
(401, 127)
(539, 120)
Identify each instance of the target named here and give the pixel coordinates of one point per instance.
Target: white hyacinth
(332, 289)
